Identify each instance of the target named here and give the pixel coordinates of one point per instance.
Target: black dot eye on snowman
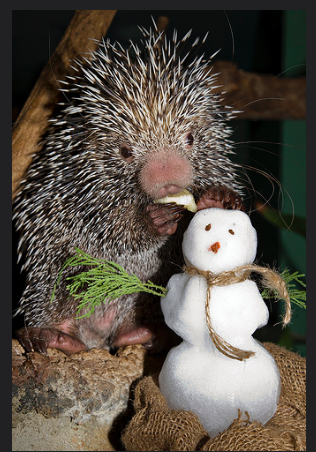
(231, 231)
(208, 227)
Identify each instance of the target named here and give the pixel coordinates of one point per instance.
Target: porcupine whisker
(267, 175)
(248, 184)
(254, 193)
(232, 34)
(263, 98)
(233, 46)
(271, 179)
(290, 68)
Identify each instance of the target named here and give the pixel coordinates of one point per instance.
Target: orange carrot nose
(215, 247)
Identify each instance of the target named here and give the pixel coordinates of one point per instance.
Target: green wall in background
(293, 171)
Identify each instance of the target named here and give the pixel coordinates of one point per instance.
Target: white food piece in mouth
(183, 198)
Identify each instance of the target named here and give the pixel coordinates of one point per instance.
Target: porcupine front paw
(221, 197)
(162, 219)
(40, 339)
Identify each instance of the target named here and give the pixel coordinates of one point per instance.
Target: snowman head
(218, 240)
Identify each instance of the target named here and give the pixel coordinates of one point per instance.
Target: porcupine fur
(80, 192)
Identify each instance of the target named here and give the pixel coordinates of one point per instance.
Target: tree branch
(264, 97)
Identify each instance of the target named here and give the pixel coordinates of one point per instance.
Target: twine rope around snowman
(271, 280)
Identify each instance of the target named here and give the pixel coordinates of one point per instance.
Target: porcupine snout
(165, 172)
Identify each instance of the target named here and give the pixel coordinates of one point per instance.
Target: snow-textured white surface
(197, 376)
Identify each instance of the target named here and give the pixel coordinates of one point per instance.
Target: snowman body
(196, 376)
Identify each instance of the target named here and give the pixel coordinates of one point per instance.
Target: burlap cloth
(156, 427)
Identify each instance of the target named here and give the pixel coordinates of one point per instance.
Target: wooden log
(78, 402)
(33, 119)
(260, 96)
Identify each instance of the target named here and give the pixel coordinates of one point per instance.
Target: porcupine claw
(162, 219)
(40, 339)
(221, 197)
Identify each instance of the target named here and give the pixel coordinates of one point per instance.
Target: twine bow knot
(271, 280)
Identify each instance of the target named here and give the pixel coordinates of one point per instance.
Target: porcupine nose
(165, 173)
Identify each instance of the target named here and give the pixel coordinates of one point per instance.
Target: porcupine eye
(126, 152)
(188, 141)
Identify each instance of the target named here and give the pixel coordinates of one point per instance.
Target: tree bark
(77, 402)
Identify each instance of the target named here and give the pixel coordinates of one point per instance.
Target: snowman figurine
(196, 375)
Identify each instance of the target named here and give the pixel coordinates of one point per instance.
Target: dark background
(251, 39)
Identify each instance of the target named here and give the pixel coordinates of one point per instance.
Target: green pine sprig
(297, 296)
(104, 281)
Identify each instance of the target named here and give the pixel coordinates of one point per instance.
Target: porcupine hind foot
(221, 197)
(153, 337)
(40, 339)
